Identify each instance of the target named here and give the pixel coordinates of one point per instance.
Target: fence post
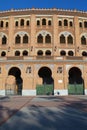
(44, 88)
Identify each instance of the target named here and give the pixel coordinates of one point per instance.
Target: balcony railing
(74, 58)
(45, 57)
(15, 58)
(56, 58)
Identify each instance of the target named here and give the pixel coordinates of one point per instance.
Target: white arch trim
(2, 34)
(66, 34)
(21, 33)
(83, 34)
(44, 33)
(80, 67)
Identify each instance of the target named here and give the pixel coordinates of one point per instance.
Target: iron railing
(45, 89)
(75, 89)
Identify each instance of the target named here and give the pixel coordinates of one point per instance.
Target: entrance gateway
(76, 82)
(47, 86)
(14, 82)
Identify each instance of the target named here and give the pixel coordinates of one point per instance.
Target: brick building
(43, 47)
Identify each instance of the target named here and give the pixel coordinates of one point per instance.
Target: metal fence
(10, 89)
(75, 89)
(45, 89)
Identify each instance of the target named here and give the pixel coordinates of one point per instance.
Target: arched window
(70, 39)
(17, 53)
(70, 53)
(40, 53)
(16, 24)
(40, 39)
(85, 24)
(17, 39)
(22, 22)
(43, 21)
(4, 40)
(47, 38)
(25, 39)
(84, 53)
(27, 23)
(6, 24)
(48, 53)
(83, 40)
(49, 22)
(62, 39)
(38, 22)
(70, 23)
(3, 53)
(60, 23)
(65, 22)
(1, 23)
(62, 53)
(25, 53)
(80, 24)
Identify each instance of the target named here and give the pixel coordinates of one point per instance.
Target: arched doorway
(76, 83)
(46, 74)
(47, 81)
(16, 72)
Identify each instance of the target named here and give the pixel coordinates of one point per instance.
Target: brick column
(33, 34)
(10, 36)
(55, 35)
(76, 36)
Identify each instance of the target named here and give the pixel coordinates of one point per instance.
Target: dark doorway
(14, 71)
(46, 74)
(76, 82)
(75, 76)
(47, 87)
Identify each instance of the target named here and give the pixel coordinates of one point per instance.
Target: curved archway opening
(40, 53)
(48, 53)
(63, 53)
(46, 74)
(16, 72)
(75, 76)
(76, 82)
(47, 87)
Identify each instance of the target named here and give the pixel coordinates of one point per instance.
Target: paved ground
(43, 113)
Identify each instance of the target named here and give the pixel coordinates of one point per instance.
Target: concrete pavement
(48, 113)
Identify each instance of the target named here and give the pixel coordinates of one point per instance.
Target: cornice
(43, 11)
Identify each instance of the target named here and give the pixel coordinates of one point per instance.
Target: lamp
(31, 48)
(55, 48)
(9, 49)
(78, 49)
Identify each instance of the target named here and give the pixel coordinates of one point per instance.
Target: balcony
(74, 58)
(45, 57)
(15, 58)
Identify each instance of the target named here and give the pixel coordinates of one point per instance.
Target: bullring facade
(43, 47)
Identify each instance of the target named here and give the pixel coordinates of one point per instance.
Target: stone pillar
(33, 34)
(76, 36)
(55, 35)
(84, 76)
(10, 36)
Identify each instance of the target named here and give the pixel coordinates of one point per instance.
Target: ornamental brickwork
(41, 47)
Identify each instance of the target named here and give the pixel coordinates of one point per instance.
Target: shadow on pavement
(37, 117)
(6, 113)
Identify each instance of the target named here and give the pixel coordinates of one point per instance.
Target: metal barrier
(75, 89)
(45, 89)
(10, 89)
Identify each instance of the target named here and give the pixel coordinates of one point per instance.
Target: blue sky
(64, 4)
